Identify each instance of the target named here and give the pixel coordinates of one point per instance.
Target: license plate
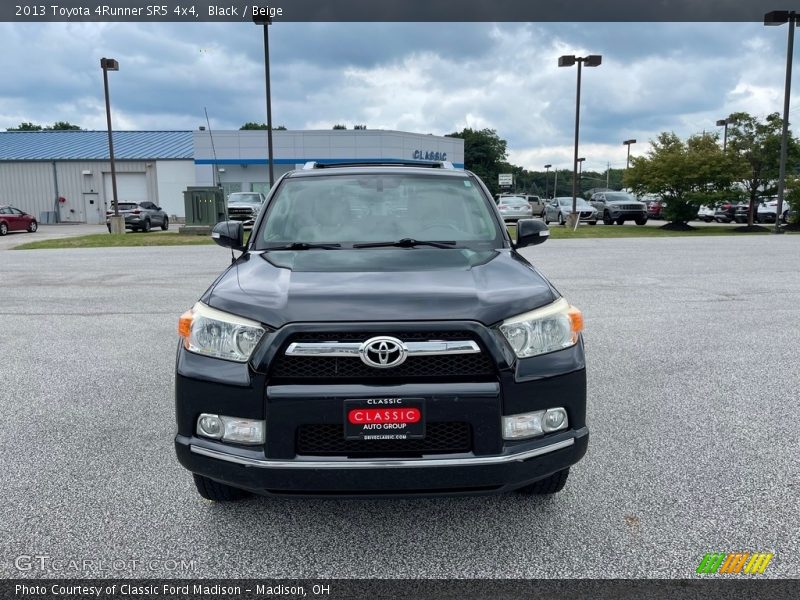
(384, 419)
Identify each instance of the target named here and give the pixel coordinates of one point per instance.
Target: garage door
(131, 187)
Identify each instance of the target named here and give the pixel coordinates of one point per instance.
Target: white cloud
(429, 78)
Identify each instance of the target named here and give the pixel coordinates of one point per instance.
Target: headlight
(543, 330)
(212, 332)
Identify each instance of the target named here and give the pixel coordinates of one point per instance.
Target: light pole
(779, 17)
(546, 179)
(593, 60)
(724, 123)
(580, 171)
(116, 223)
(266, 22)
(628, 144)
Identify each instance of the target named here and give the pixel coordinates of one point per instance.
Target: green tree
(758, 145)
(362, 127)
(484, 154)
(792, 197)
(25, 126)
(63, 126)
(685, 174)
(57, 126)
(339, 126)
(252, 125)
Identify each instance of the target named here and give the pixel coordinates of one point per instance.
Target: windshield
(243, 197)
(514, 201)
(568, 202)
(620, 196)
(357, 208)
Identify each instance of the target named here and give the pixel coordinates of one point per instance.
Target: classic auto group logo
(735, 562)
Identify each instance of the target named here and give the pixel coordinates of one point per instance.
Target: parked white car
(706, 213)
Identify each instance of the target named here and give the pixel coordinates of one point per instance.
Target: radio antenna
(213, 150)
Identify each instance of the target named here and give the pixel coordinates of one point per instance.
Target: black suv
(380, 335)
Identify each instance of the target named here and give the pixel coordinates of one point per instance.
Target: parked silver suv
(618, 207)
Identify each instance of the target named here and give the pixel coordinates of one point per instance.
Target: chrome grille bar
(341, 349)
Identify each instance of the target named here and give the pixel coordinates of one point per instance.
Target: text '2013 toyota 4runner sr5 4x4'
(380, 335)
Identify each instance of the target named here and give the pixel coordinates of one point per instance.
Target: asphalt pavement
(693, 388)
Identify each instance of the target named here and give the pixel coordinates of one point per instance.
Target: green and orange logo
(735, 562)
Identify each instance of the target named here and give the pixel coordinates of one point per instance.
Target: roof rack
(439, 164)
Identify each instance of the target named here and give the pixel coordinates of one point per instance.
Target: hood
(385, 284)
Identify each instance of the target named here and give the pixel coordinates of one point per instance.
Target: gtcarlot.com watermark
(43, 563)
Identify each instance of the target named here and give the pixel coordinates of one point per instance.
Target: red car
(13, 219)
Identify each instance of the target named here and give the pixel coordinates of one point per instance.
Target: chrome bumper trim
(387, 463)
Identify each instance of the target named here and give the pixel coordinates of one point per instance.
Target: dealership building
(69, 173)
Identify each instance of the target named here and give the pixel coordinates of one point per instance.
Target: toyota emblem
(383, 352)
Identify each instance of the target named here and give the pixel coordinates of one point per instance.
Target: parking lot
(693, 384)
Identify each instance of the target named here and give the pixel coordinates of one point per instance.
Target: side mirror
(531, 232)
(229, 234)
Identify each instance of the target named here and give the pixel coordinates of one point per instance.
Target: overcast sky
(419, 77)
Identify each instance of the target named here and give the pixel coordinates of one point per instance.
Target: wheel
(545, 219)
(108, 226)
(560, 219)
(592, 222)
(218, 492)
(607, 219)
(33, 226)
(146, 227)
(165, 224)
(642, 221)
(620, 221)
(549, 485)
(3, 229)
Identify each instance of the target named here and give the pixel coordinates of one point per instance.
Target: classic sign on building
(422, 155)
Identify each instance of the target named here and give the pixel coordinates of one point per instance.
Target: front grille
(328, 440)
(424, 367)
(243, 212)
(585, 214)
(631, 207)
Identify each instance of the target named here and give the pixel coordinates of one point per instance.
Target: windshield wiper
(408, 243)
(305, 246)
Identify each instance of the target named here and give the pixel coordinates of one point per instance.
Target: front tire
(33, 227)
(147, 226)
(560, 219)
(549, 485)
(641, 221)
(165, 224)
(3, 229)
(620, 221)
(218, 492)
(607, 219)
(592, 222)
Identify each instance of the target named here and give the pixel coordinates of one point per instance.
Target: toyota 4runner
(380, 334)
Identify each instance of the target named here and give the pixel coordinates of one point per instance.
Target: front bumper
(488, 465)
(249, 470)
(628, 215)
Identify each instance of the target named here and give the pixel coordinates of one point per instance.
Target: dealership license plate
(384, 419)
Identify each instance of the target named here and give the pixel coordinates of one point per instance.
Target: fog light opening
(522, 426)
(555, 419)
(231, 429)
(210, 426)
(533, 424)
